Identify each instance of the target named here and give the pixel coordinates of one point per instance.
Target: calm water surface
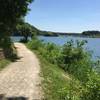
(18, 38)
(93, 44)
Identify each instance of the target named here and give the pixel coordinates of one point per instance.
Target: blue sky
(65, 15)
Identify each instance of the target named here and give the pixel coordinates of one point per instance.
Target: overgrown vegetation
(69, 72)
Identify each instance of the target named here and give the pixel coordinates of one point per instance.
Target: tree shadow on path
(2, 97)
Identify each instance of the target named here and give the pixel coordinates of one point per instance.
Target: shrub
(35, 44)
(51, 52)
(75, 60)
(92, 87)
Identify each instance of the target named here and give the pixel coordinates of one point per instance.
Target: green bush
(51, 52)
(92, 87)
(75, 60)
(35, 44)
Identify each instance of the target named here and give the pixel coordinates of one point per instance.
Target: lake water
(93, 44)
(18, 38)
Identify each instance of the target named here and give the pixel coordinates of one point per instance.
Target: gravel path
(21, 78)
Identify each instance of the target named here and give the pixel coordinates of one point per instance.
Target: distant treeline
(83, 34)
(91, 33)
(31, 31)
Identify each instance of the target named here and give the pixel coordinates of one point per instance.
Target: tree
(11, 12)
(25, 31)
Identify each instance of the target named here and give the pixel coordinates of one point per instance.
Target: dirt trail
(21, 78)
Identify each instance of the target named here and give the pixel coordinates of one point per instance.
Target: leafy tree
(11, 12)
(25, 31)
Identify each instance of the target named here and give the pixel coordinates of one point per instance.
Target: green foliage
(35, 44)
(84, 81)
(50, 52)
(75, 60)
(25, 31)
(72, 53)
(57, 84)
(92, 87)
(10, 13)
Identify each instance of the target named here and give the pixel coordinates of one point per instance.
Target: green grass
(56, 83)
(3, 63)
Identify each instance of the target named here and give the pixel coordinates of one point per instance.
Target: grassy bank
(3, 63)
(67, 71)
(56, 84)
